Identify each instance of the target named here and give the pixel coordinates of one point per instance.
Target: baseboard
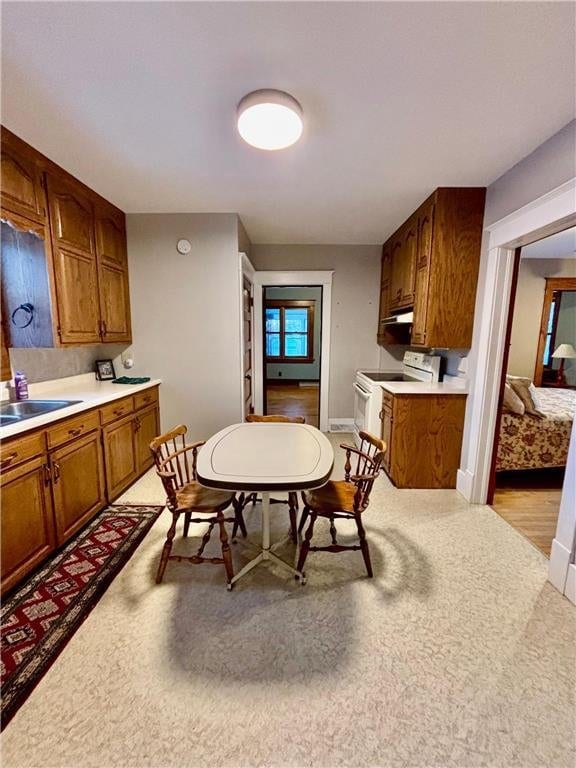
(464, 483)
(559, 565)
(570, 590)
(340, 425)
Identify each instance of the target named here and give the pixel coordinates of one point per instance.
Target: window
(550, 339)
(289, 331)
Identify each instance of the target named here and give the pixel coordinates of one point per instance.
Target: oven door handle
(363, 394)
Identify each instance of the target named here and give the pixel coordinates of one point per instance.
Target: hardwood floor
(293, 400)
(530, 502)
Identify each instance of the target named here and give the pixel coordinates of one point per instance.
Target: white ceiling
(138, 100)
(559, 246)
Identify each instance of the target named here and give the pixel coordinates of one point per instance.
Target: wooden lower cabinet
(424, 438)
(26, 519)
(54, 480)
(120, 455)
(127, 448)
(147, 428)
(77, 483)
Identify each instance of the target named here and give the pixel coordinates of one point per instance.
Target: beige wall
(355, 297)
(185, 316)
(528, 310)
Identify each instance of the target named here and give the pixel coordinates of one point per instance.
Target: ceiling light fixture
(270, 119)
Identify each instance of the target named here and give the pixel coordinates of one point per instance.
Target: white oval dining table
(265, 457)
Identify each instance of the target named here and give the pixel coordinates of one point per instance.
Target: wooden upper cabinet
(110, 235)
(71, 215)
(435, 261)
(114, 304)
(423, 257)
(75, 266)
(397, 271)
(385, 278)
(409, 262)
(403, 256)
(113, 273)
(5, 369)
(21, 178)
(76, 278)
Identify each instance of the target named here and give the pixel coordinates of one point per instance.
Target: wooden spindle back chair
(254, 418)
(345, 499)
(175, 462)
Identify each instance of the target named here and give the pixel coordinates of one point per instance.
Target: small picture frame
(105, 370)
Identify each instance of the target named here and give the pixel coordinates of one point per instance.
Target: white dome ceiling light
(270, 119)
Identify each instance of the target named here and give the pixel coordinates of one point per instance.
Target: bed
(528, 442)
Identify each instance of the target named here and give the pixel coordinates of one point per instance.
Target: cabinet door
(385, 279)
(5, 369)
(21, 179)
(423, 261)
(147, 428)
(27, 521)
(120, 455)
(386, 416)
(114, 304)
(397, 272)
(76, 280)
(71, 215)
(110, 235)
(75, 266)
(409, 262)
(77, 484)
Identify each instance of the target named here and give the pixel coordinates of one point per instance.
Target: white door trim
(545, 216)
(245, 270)
(322, 278)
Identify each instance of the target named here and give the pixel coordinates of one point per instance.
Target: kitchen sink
(11, 413)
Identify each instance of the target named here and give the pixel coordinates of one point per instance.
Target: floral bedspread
(527, 442)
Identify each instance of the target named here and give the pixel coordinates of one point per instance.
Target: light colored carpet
(458, 653)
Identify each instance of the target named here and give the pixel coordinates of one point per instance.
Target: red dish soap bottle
(21, 385)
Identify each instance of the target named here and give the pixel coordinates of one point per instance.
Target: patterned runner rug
(42, 614)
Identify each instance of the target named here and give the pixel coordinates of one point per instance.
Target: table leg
(265, 521)
(267, 553)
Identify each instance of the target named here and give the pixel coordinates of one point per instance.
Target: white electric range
(416, 367)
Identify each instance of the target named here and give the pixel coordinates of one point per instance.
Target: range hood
(407, 318)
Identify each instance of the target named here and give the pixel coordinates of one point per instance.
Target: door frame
(302, 278)
(547, 215)
(245, 272)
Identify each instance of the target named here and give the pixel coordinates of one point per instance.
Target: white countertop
(92, 393)
(453, 387)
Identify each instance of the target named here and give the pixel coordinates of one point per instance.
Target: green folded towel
(133, 380)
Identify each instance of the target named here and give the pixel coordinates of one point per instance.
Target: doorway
(292, 328)
(537, 390)
(322, 315)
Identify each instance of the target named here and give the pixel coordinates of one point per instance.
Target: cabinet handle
(137, 424)
(56, 475)
(47, 475)
(381, 415)
(104, 329)
(118, 412)
(77, 431)
(7, 460)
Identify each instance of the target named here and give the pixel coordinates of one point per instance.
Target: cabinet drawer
(21, 449)
(71, 428)
(116, 410)
(148, 397)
